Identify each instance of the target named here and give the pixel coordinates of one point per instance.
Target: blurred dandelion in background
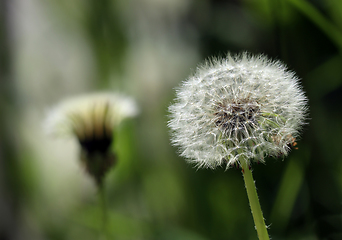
(92, 119)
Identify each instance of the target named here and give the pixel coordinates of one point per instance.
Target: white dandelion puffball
(241, 108)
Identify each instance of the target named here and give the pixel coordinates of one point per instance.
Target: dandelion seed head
(240, 108)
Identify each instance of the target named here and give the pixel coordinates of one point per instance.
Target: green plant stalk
(288, 192)
(254, 202)
(103, 206)
(315, 16)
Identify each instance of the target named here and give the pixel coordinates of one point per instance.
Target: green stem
(254, 202)
(103, 206)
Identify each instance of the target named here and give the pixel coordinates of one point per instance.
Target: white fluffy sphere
(241, 108)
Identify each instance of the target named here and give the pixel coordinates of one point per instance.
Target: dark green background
(145, 48)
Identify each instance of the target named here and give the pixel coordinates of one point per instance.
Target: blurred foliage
(53, 49)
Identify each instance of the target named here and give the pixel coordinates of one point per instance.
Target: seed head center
(236, 116)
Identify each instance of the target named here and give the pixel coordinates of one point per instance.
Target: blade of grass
(287, 195)
(316, 17)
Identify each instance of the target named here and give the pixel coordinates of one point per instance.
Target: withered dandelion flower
(92, 119)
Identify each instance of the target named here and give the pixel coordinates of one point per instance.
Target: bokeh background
(54, 49)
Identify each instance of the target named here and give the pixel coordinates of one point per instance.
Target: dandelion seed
(241, 108)
(92, 120)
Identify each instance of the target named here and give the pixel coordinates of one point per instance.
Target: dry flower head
(240, 108)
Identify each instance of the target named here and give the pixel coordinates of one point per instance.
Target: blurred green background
(53, 49)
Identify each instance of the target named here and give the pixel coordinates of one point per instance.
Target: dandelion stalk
(92, 119)
(254, 202)
(103, 206)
